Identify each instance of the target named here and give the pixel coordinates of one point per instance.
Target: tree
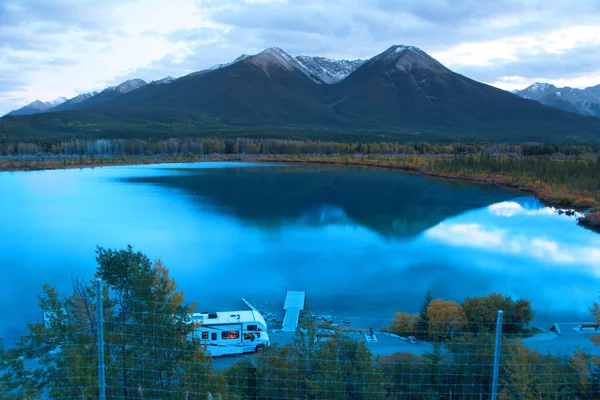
(472, 360)
(445, 318)
(423, 319)
(482, 312)
(152, 333)
(149, 350)
(595, 310)
(404, 324)
(518, 372)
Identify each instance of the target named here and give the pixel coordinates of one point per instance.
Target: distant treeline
(189, 147)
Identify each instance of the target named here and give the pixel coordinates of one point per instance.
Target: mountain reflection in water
(388, 202)
(363, 242)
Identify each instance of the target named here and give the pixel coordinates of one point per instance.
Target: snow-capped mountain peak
(167, 79)
(539, 87)
(536, 91)
(581, 101)
(37, 105)
(219, 66)
(406, 57)
(56, 102)
(240, 58)
(275, 56)
(82, 97)
(328, 70)
(130, 85)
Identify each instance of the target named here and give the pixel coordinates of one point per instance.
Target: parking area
(568, 338)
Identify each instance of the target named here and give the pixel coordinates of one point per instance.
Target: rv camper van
(231, 332)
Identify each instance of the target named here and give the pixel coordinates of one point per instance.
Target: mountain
(405, 87)
(328, 70)
(274, 59)
(96, 99)
(217, 66)
(163, 81)
(580, 101)
(127, 86)
(84, 100)
(267, 88)
(401, 94)
(38, 107)
(71, 103)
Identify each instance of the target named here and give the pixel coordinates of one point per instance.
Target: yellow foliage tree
(404, 324)
(445, 317)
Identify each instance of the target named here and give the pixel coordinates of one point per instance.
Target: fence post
(497, 355)
(100, 320)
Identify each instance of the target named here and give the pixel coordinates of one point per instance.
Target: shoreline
(547, 194)
(48, 164)
(590, 219)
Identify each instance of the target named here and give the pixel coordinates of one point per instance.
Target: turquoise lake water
(362, 242)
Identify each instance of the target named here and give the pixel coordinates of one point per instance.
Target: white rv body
(231, 332)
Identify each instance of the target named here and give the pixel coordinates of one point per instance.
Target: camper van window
(230, 335)
(252, 327)
(204, 335)
(213, 336)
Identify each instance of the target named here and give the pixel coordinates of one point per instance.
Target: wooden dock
(294, 303)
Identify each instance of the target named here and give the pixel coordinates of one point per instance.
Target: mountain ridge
(401, 92)
(38, 106)
(331, 71)
(579, 101)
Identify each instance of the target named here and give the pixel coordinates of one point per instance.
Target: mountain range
(580, 101)
(399, 94)
(326, 70)
(38, 106)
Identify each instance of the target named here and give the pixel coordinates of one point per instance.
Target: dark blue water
(363, 243)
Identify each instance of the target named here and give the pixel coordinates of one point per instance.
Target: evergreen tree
(423, 320)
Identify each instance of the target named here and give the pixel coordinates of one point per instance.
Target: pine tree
(423, 320)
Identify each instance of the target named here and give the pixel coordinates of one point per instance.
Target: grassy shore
(564, 183)
(39, 164)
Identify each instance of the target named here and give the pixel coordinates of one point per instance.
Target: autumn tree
(59, 355)
(482, 312)
(149, 352)
(527, 374)
(404, 324)
(446, 317)
(595, 310)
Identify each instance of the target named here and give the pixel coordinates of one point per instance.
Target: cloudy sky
(52, 48)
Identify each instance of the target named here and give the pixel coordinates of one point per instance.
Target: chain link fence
(95, 348)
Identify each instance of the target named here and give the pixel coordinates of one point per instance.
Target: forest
(190, 147)
(150, 354)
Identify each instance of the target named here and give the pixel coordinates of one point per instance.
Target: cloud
(511, 208)
(63, 47)
(477, 236)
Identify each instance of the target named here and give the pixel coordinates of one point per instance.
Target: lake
(362, 242)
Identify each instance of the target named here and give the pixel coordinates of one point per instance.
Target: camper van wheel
(260, 347)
